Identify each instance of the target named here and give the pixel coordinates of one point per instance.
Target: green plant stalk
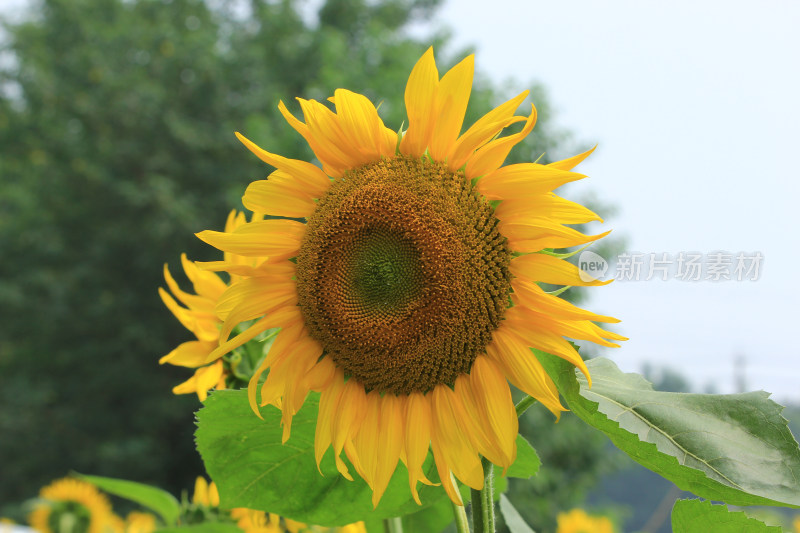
(460, 514)
(523, 405)
(393, 525)
(483, 501)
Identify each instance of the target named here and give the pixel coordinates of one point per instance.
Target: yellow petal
(361, 125)
(276, 239)
(474, 426)
(575, 329)
(523, 180)
(572, 162)
(446, 431)
(193, 301)
(276, 197)
(489, 157)
(253, 298)
(445, 474)
(522, 368)
(390, 442)
(534, 297)
(536, 235)
(303, 171)
(421, 98)
(259, 327)
(495, 406)
(549, 269)
(352, 408)
(366, 442)
(184, 316)
(234, 220)
(206, 284)
(544, 205)
(328, 408)
(485, 129)
(542, 337)
(417, 438)
(321, 376)
(305, 354)
(208, 376)
(324, 126)
(330, 165)
(189, 354)
(454, 91)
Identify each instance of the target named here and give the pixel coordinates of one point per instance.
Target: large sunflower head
(404, 275)
(71, 505)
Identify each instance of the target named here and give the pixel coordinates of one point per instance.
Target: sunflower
(71, 505)
(139, 522)
(409, 297)
(260, 522)
(199, 317)
(577, 521)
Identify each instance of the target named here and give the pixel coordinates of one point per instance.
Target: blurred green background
(116, 127)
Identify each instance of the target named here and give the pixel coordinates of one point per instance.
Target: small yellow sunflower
(71, 505)
(409, 297)
(139, 522)
(260, 522)
(577, 521)
(200, 318)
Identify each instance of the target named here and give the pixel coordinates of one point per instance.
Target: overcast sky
(695, 109)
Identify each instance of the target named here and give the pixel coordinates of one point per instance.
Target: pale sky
(695, 109)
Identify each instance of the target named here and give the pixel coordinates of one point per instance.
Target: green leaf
(735, 448)
(514, 521)
(153, 498)
(527, 463)
(432, 519)
(696, 516)
(206, 527)
(245, 458)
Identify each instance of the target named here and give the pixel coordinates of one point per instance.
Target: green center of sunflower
(403, 275)
(69, 517)
(385, 272)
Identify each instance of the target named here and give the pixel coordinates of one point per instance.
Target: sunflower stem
(460, 513)
(483, 501)
(523, 405)
(393, 525)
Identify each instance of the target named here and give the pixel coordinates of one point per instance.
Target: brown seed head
(403, 275)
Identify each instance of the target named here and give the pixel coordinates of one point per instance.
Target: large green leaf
(514, 521)
(696, 516)
(155, 499)
(734, 448)
(245, 458)
(527, 463)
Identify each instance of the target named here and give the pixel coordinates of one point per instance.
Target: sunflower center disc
(403, 275)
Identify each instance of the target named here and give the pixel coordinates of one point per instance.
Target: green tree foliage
(116, 122)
